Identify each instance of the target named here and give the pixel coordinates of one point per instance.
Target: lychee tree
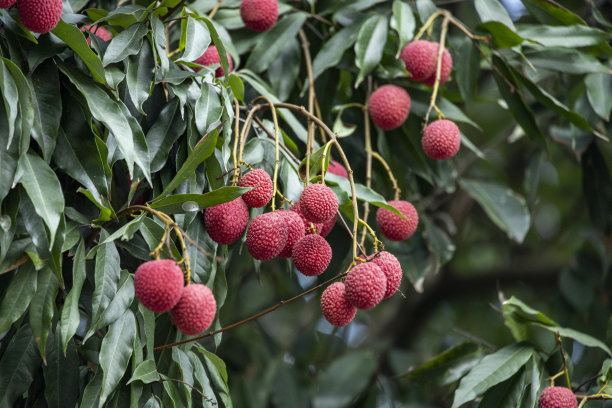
(305, 203)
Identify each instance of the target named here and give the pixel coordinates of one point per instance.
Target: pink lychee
(557, 397)
(366, 285)
(441, 139)
(420, 59)
(392, 269)
(307, 228)
(158, 284)
(263, 189)
(4, 4)
(259, 15)
(311, 255)
(389, 106)
(335, 307)
(196, 309)
(295, 231)
(210, 57)
(318, 203)
(39, 16)
(98, 31)
(394, 227)
(337, 168)
(266, 236)
(445, 71)
(226, 222)
(327, 226)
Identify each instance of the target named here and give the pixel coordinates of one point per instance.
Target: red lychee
(196, 309)
(389, 106)
(4, 4)
(40, 16)
(441, 139)
(307, 229)
(557, 397)
(295, 231)
(394, 227)
(366, 285)
(318, 203)
(392, 269)
(420, 59)
(100, 32)
(266, 236)
(327, 226)
(445, 71)
(259, 15)
(226, 222)
(158, 284)
(263, 189)
(335, 307)
(210, 57)
(338, 169)
(311, 255)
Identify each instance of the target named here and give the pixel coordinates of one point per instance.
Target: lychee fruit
(210, 57)
(557, 397)
(311, 255)
(226, 222)
(295, 231)
(366, 285)
(337, 168)
(389, 106)
(335, 306)
(98, 31)
(318, 203)
(445, 70)
(307, 229)
(158, 284)
(263, 189)
(392, 269)
(4, 4)
(266, 236)
(441, 139)
(39, 16)
(327, 226)
(420, 59)
(259, 15)
(393, 226)
(196, 309)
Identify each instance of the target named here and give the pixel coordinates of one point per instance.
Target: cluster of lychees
(159, 286)
(389, 105)
(39, 16)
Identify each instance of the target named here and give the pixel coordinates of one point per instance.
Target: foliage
(89, 132)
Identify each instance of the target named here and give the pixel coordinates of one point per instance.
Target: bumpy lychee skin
(337, 168)
(40, 16)
(389, 106)
(327, 226)
(195, 311)
(307, 229)
(100, 32)
(311, 255)
(210, 57)
(226, 222)
(441, 139)
(420, 59)
(366, 285)
(295, 231)
(557, 397)
(263, 189)
(4, 4)
(394, 227)
(335, 306)
(259, 15)
(445, 70)
(388, 263)
(318, 203)
(266, 236)
(158, 284)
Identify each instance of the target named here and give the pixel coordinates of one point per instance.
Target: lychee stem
(384, 163)
(215, 9)
(311, 97)
(368, 151)
(428, 24)
(367, 227)
(236, 136)
(323, 157)
(276, 149)
(441, 49)
(565, 370)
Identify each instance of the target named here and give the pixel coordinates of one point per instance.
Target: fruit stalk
(311, 97)
(436, 87)
(368, 152)
(276, 149)
(384, 163)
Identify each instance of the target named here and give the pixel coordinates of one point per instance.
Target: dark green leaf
(563, 36)
(195, 39)
(572, 61)
(70, 315)
(582, 338)
(107, 278)
(18, 366)
(42, 307)
(237, 86)
(208, 109)
(503, 35)
(26, 110)
(454, 359)
(168, 127)
(370, 45)
(61, 374)
(145, 372)
(493, 10)
(597, 86)
(10, 94)
(126, 43)
(331, 52)
(17, 296)
(597, 188)
(47, 106)
(466, 73)
(506, 394)
(403, 22)
(189, 203)
(139, 76)
(551, 12)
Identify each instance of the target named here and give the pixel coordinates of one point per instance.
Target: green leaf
(466, 73)
(140, 70)
(145, 372)
(318, 160)
(447, 366)
(70, 316)
(208, 109)
(571, 61)
(493, 10)
(551, 12)
(491, 370)
(597, 188)
(503, 35)
(91, 393)
(47, 106)
(107, 276)
(597, 86)
(61, 374)
(17, 296)
(9, 95)
(563, 36)
(42, 307)
(126, 43)
(370, 45)
(503, 206)
(9, 157)
(237, 86)
(403, 22)
(332, 50)
(75, 39)
(166, 130)
(583, 338)
(115, 353)
(271, 43)
(159, 39)
(506, 394)
(195, 39)
(18, 365)
(26, 110)
(119, 303)
(43, 188)
(190, 203)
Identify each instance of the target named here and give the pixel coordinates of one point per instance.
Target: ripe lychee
(307, 229)
(295, 231)
(259, 15)
(392, 269)
(263, 189)
(366, 285)
(420, 59)
(266, 236)
(196, 309)
(98, 31)
(210, 57)
(394, 227)
(445, 70)
(557, 397)
(40, 16)
(311, 255)
(318, 203)
(327, 226)
(4, 4)
(158, 284)
(389, 106)
(335, 307)
(226, 222)
(337, 168)
(441, 139)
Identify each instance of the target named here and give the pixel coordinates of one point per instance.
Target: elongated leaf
(597, 84)
(18, 366)
(551, 12)
(126, 43)
(563, 36)
(583, 338)
(195, 38)
(70, 315)
(403, 22)
(26, 110)
(91, 393)
(119, 304)
(140, 75)
(61, 374)
(572, 61)
(9, 94)
(370, 45)
(331, 52)
(208, 109)
(493, 10)
(506, 394)
(145, 372)
(42, 307)
(168, 127)
(17, 296)
(106, 278)
(189, 203)
(47, 106)
(9, 157)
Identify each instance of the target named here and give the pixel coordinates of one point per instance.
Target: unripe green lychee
(441, 139)
(366, 285)
(318, 203)
(266, 236)
(158, 284)
(259, 15)
(39, 16)
(226, 222)
(335, 306)
(195, 311)
(393, 226)
(263, 189)
(210, 57)
(311, 255)
(557, 397)
(420, 59)
(389, 106)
